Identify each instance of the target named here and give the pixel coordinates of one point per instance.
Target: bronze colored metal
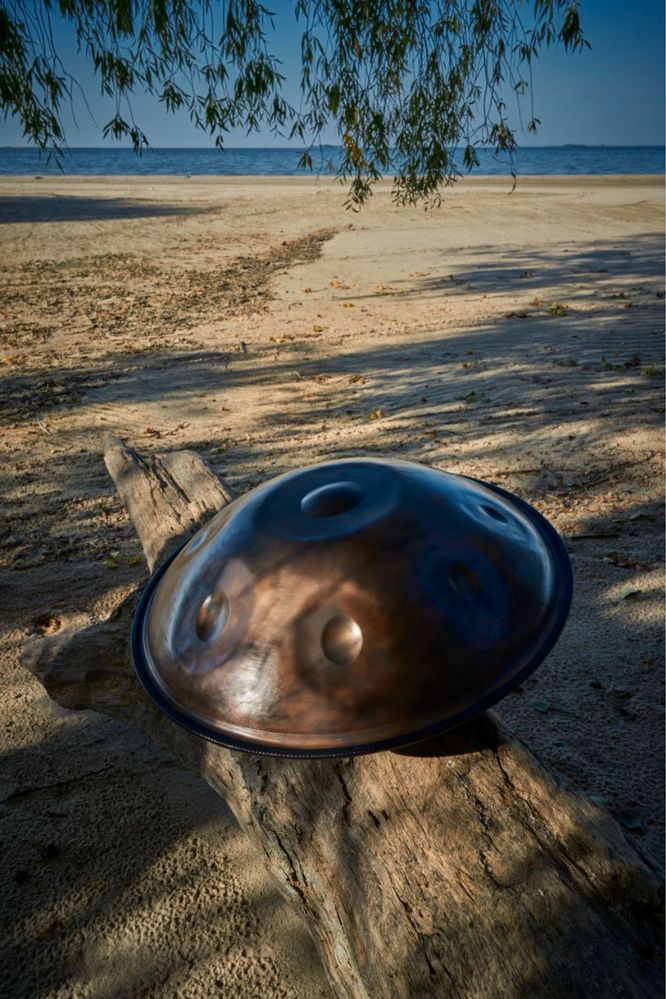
(352, 606)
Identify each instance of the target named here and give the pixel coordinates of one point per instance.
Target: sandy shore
(517, 338)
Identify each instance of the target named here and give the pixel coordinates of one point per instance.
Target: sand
(513, 337)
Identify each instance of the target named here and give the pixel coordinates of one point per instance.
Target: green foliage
(413, 86)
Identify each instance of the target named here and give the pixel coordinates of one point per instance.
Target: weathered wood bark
(457, 868)
(168, 495)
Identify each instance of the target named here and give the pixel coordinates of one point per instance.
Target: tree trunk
(458, 867)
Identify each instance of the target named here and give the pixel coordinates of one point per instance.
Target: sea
(536, 160)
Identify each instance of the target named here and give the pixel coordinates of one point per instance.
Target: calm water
(281, 162)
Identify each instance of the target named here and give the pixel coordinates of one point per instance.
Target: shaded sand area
(517, 338)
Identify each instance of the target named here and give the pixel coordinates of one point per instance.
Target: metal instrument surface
(351, 606)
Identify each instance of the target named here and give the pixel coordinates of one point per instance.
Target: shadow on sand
(66, 208)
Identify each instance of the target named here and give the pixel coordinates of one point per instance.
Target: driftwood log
(457, 868)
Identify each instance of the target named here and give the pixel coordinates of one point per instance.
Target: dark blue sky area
(612, 94)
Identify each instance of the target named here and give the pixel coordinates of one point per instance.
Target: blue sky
(612, 94)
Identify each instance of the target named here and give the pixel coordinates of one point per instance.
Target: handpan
(349, 607)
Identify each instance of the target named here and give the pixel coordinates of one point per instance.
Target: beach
(516, 337)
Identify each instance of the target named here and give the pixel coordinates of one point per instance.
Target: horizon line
(330, 145)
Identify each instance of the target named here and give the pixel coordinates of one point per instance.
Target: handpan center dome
(351, 606)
